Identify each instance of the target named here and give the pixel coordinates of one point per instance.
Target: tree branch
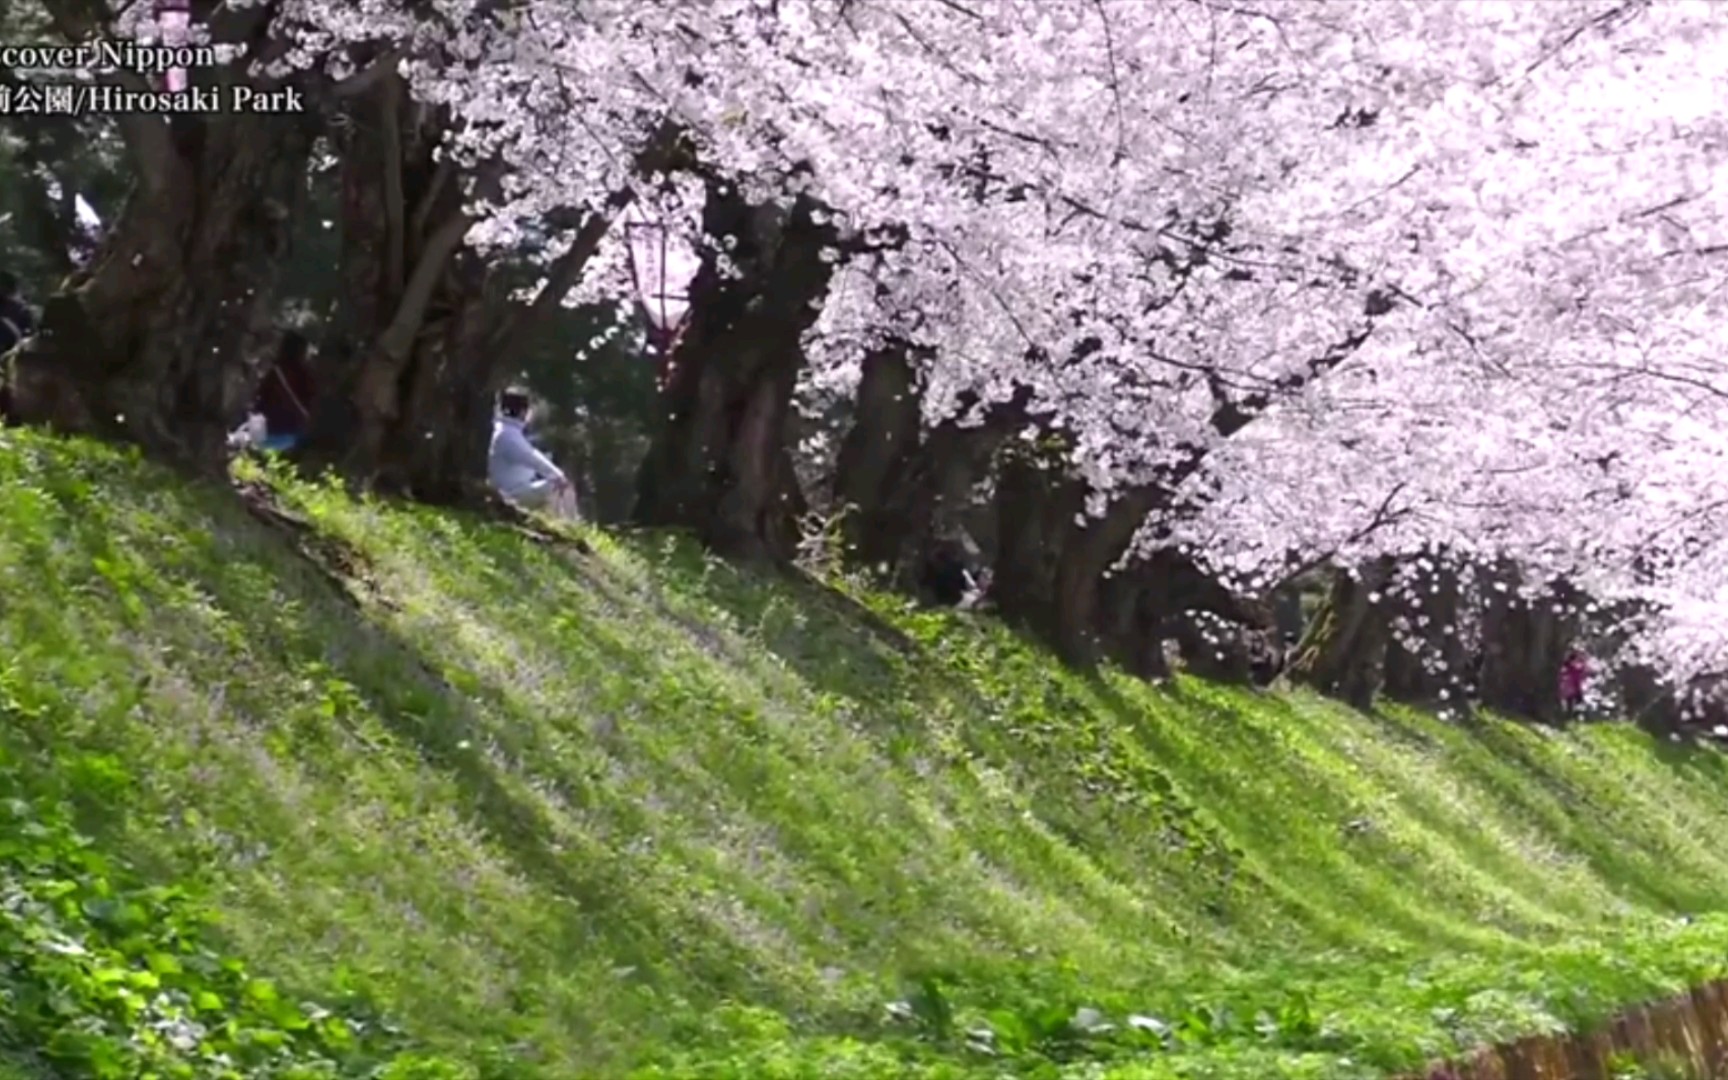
(371, 75)
(563, 276)
(1383, 515)
(441, 179)
(398, 338)
(1229, 417)
(147, 138)
(395, 237)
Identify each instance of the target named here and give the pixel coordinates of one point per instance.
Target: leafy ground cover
(498, 809)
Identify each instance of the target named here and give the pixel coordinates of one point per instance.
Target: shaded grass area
(641, 814)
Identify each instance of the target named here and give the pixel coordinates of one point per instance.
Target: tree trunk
(159, 340)
(1035, 508)
(1426, 660)
(1051, 559)
(1223, 650)
(906, 491)
(1134, 627)
(945, 469)
(1133, 623)
(1091, 550)
(1523, 646)
(878, 451)
(1167, 595)
(424, 435)
(720, 465)
(1647, 702)
(1342, 653)
(1051, 563)
(404, 377)
(425, 329)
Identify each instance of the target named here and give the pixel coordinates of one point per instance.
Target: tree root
(340, 563)
(348, 570)
(493, 507)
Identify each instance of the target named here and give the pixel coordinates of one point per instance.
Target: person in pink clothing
(1574, 670)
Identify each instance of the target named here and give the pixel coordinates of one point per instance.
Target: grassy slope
(640, 811)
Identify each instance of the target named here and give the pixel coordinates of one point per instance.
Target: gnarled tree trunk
(1035, 509)
(1427, 662)
(1051, 559)
(1343, 651)
(905, 490)
(1051, 563)
(879, 449)
(719, 465)
(404, 377)
(947, 465)
(1134, 621)
(1167, 595)
(1524, 643)
(158, 341)
(425, 330)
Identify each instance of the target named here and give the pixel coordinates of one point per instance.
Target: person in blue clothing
(285, 397)
(516, 469)
(282, 408)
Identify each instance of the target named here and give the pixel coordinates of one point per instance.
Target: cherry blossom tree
(148, 341)
(1482, 323)
(1206, 291)
(1144, 232)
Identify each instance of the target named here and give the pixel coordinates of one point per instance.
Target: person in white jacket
(516, 469)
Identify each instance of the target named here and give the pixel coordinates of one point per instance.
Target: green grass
(639, 814)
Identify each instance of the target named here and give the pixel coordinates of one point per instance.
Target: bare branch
(1382, 517)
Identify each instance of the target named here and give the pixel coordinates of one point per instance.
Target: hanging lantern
(173, 20)
(661, 268)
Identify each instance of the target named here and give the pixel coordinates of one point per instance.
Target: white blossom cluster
(1209, 196)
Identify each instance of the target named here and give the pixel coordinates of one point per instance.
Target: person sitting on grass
(285, 397)
(281, 410)
(518, 471)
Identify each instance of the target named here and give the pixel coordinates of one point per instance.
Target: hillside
(516, 811)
